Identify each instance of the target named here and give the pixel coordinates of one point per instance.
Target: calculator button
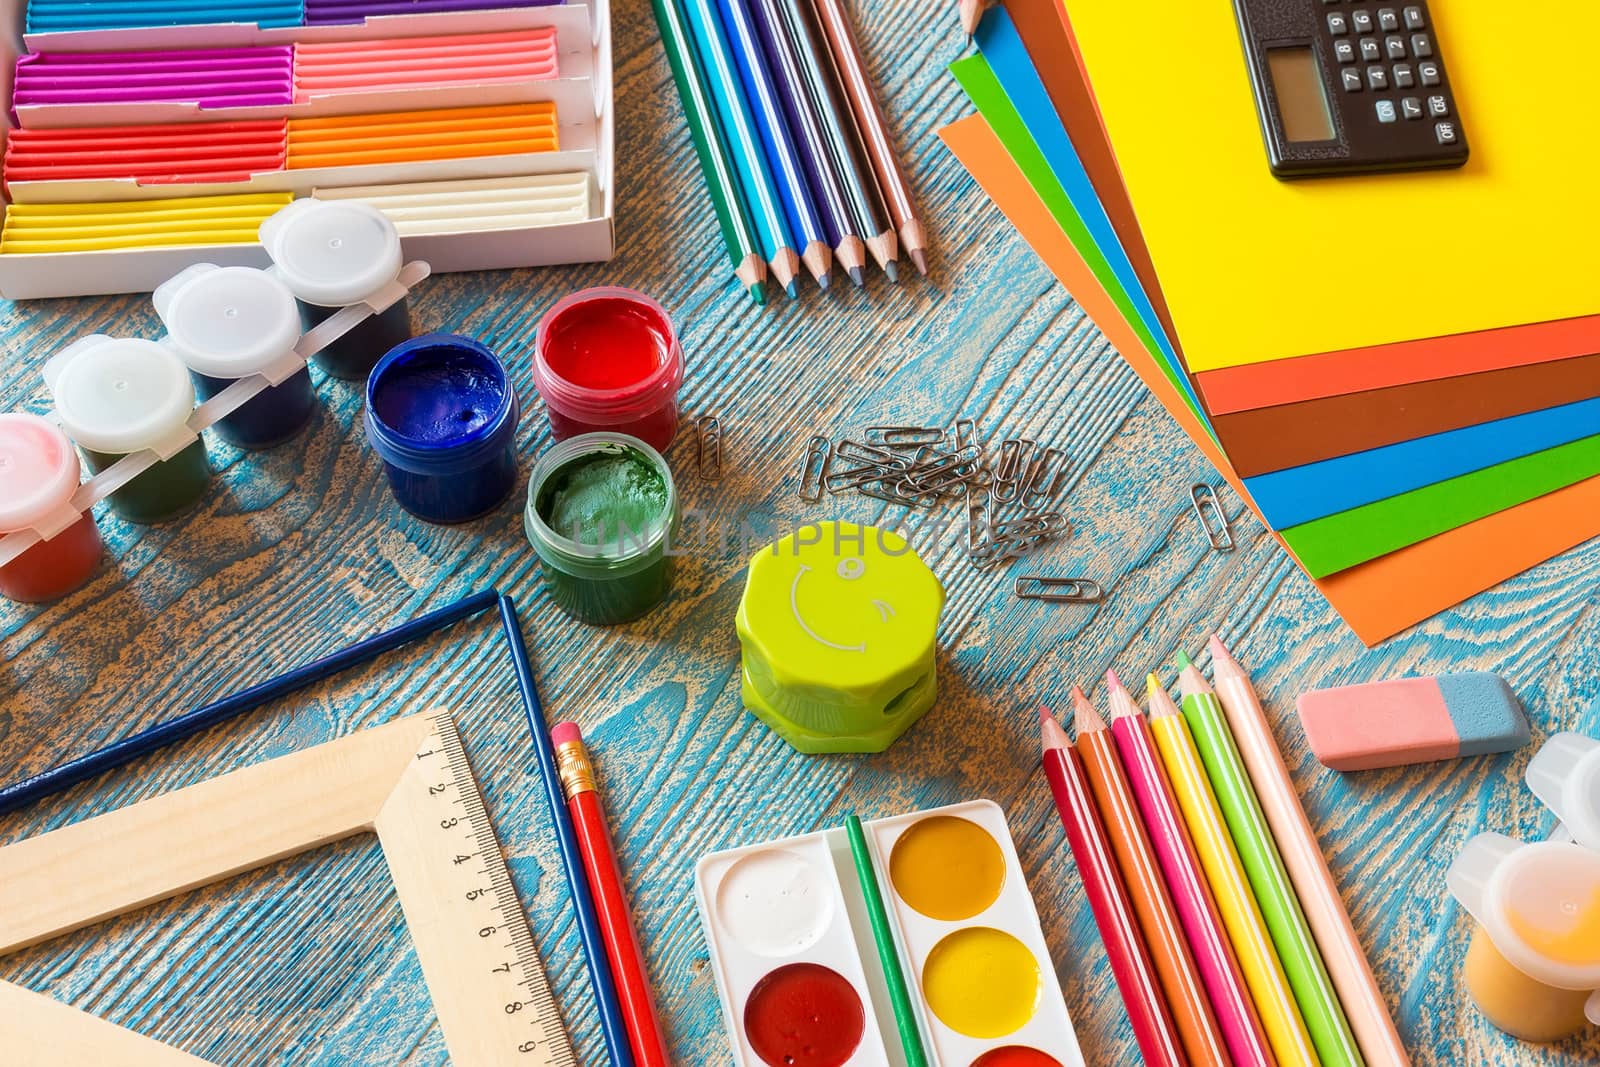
(1411, 108)
(1428, 71)
(1352, 79)
(1421, 47)
(1377, 78)
(1362, 21)
(1386, 111)
(1437, 107)
(1403, 78)
(1395, 46)
(1344, 51)
(1413, 15)
(1445, 132)
(1337, 23)
(1388, 21)
(1370, 50)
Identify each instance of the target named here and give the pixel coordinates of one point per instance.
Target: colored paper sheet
(1005, 87)
(1317, 490)
(209, 77)
(200, 220)
(326, 69)
(1340, 263)
(57, 16)
(1377, 599)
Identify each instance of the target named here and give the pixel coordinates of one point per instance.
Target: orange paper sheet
(1377, 599)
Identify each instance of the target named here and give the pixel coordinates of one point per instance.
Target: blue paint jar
(331, 254)
(228, 323)
(442, 415)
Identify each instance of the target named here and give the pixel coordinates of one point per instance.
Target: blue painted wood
(301, 550)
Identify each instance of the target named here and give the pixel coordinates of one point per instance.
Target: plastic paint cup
(1565, 774)
(602, 511)
(228, 323)
(608, 359)
(442, 415)
(116, 396)
(39, 473)
(331, 254)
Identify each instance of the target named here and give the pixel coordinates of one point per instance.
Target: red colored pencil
(1131, 965)
(610, 898)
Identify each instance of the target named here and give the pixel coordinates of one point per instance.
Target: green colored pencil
(905, 1017)
(715, 162)
(1263, 867)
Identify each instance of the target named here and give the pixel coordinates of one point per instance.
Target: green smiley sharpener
(837, 627)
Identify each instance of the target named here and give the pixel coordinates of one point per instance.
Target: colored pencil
(120, 753)
(579, 782)
(1319, 896)
(783, 59)
(892, 181)
(738, 130)
(1197, 908)
(723, 185)
(603, 982)
(905, 1015)
(845, 146)
(787, 170)
(1241, 915)
(1291, 936)
(1152, 904)
(1131, 966)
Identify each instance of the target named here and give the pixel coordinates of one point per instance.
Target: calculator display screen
(1302, 100)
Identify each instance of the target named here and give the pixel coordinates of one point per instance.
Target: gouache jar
(442, 415)
(602, 511)
(39, 473)
(608, 359)
(116, 396)
(331, 254)
(228, 323)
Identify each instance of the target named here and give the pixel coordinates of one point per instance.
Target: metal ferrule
(572, 764)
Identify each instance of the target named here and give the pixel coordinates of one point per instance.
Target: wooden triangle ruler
(408, 781)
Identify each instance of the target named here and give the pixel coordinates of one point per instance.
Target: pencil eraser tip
(563, 732)
(1412, 720)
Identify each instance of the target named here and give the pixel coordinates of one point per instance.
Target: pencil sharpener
(837, 629)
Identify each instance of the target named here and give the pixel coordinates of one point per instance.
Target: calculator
(1349, 86)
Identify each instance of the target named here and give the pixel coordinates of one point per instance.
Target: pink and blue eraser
(1412, 720)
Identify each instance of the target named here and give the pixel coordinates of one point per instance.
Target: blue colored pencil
(125, 751)
(609, 1009)
(738, 128)
(787, 170)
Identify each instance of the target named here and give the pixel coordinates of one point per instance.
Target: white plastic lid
(228, 322)
(120, 395)
(38, 473)
(1565, 774)
(332, 253)
(1539, 904)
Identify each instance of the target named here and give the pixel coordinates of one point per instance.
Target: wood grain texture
(301, 550)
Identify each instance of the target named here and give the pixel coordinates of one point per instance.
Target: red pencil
(1131, 965)
(610, 899)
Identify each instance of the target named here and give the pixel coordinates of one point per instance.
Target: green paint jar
(602, 512)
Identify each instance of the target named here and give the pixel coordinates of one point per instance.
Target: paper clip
(1218, 532)
(904, 436)
(708, 447)
(1045, 483)
(1058, 590)
(814, 468)
(966, 430)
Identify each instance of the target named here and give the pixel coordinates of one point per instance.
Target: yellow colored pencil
(1241, 915)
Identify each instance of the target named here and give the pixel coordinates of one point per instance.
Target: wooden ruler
(408, 781)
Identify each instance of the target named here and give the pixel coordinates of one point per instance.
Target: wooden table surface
(301, 550)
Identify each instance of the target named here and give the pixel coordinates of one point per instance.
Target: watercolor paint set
(806, 982)
(164, 133)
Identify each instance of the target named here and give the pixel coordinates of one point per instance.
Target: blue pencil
(784, 159)
(609, 1009)
(760, 191)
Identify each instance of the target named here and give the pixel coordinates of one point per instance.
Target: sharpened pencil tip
(1182, 660)
(892, 269)
(858, 275)
(919, 259)
(1112, 680)
(824, 280)
(1151, 684)
(758, 293)
(792, 290)
(1053, 736)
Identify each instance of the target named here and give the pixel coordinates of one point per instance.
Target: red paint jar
(608, 359)
(39, 473)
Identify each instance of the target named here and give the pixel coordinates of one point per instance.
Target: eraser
(1412, 720)
(563, 732)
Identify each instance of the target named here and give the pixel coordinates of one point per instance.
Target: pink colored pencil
(1131, 965)
(1197, 909)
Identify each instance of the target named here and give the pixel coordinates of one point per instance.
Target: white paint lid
(119, 395)
(332, 253)
(1565, 774)
(1536, 902)
(228, 322)
(38, 474)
